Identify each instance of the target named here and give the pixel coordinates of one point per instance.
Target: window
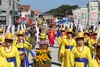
(10, 2)
(0, 2)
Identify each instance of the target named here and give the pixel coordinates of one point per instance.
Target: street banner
(84, 17)
(93, 13)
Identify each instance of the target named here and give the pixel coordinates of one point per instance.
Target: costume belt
(12, 60)
(69, 47)
(84, 60)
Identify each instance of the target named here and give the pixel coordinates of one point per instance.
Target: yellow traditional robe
(11, 53)
(25, 45)
(60, 40)
(77, 55)
(66, 51)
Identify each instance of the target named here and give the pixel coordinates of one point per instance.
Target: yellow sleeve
(72, 57)
(74, 42)
(59, 41)
(27, 45)
(4, 62)
(17, 57)
(63, 47)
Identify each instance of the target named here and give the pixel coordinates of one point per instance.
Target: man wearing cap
(80, 55)
(66, 48)
(10, 52)
(60, 40)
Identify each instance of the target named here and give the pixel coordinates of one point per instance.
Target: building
(36, 14)
(8, 10)
(24, 10)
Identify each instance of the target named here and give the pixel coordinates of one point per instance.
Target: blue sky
(45, 5)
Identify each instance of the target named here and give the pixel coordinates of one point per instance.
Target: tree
(62, 9)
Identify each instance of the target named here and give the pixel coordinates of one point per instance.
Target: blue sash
(12, 60)
(84, 60)
(20, 49)
(69, 47)
(25, 62)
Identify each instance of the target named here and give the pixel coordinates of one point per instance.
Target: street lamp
(21, 8)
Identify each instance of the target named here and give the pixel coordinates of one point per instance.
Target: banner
(93, 13)
(84, 16)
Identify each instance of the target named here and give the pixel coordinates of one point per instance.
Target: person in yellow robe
(10, 52)
(87, 38)
(22, 46)
(66, 48)
(93, 43)
(80, 55)
(60, 40)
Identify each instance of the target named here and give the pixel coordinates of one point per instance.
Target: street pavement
(54, 55)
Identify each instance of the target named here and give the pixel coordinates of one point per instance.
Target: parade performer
(32, 32)
(93, 43)
(66, 48)
(80, 55)
(22, 45)
(43, 41)
(87, 38)
(51, 37)
(2, 37)
(10, 52)
(60, 40)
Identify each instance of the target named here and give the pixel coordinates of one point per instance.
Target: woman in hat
(87, 38)
(80, 54)
(10, 52)
(22, 46)
(66, 48)
(60, 40)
